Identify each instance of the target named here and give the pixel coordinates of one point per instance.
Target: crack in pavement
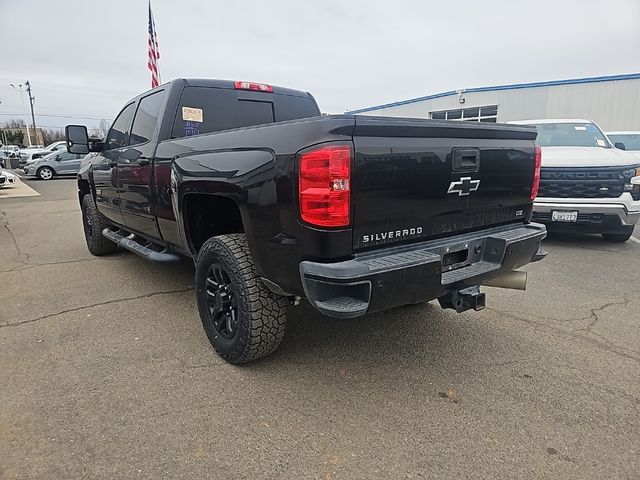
(21, 258)
(593, 313)
(98, 304)
(29, 266)
(599, 341)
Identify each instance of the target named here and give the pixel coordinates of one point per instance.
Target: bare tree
(14, 123)
(51, 135)
(100, 130)
(12, 131)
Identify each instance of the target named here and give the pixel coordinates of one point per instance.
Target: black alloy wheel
(242, 318)
(222, 302)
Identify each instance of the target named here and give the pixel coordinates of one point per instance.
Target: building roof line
(514, 86)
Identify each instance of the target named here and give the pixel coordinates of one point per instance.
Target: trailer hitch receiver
(463, 300)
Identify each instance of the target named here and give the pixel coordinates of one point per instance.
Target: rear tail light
(535, 186)
(258, 87)
(325, 186)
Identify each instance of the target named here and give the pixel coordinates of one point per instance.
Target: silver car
(54, 164)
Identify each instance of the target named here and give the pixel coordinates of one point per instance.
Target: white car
(7, 152)
(586, 184)
(30, 149)
(30, 154)
(629, 141)
(6, 178)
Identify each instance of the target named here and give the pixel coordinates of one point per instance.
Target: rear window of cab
(210, 109)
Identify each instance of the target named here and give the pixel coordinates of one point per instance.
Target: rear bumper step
(409, 274)
(148, 250)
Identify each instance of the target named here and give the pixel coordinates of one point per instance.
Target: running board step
(128, 242)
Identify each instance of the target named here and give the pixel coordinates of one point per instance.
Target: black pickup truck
(275, 202)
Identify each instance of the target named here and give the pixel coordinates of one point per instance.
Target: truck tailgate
(417, 179)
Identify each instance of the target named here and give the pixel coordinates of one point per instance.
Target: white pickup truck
(586, 184)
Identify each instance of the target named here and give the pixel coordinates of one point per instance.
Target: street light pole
(3, 139)
(32, 100)
(23, 112)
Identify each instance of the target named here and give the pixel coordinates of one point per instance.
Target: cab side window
(117, 136)
(146, 119)
(66, 156)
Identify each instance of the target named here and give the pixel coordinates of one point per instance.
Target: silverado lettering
(257, 188)
(397, 234)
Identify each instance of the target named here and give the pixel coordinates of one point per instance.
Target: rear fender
(246, 176)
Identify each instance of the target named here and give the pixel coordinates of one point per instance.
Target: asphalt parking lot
(106, 372)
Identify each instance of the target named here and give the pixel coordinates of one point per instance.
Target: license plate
(564, 216)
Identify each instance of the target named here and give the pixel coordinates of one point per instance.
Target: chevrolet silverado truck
(275, 202)
(586, 184)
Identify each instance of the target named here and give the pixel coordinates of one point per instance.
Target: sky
(86, 58)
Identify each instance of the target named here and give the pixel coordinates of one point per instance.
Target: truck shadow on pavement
(414, 334)
(421, 334)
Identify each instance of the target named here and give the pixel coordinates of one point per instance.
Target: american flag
(154, 52)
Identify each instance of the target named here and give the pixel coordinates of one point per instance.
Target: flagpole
(153, 53)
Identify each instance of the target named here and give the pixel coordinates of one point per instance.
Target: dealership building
(612, 101)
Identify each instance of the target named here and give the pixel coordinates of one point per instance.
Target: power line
(52, 127)
(66, 86)
(90, 117)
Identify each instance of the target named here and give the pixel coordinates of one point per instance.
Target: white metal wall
(614, 105)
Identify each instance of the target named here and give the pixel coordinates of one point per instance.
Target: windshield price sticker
(190, 114)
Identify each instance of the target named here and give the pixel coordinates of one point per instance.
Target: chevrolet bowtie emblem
(464, 187)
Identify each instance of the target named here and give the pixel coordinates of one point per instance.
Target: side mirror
(620, 145)
(77, 139)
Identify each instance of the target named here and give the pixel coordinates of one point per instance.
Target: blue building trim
(515, 86)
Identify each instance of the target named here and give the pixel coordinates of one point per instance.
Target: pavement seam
(56, 212)
(84, 307)
(633, 254)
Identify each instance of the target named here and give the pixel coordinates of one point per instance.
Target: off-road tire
(619, 237)
(260, 314)
(93, 224)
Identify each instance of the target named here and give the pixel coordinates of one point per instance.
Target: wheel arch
(207, 215)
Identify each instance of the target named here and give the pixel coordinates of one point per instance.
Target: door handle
(142, 161)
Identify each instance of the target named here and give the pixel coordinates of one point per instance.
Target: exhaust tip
(515, 280)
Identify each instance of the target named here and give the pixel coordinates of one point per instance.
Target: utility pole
(32, 101)
(26, 124)
(3, 138)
